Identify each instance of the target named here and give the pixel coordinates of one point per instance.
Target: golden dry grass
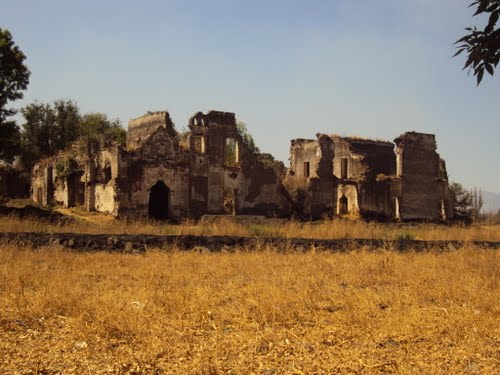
(99, 223)
(257, 312)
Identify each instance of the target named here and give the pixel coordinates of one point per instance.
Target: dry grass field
(334, 229)
(255, 311)
(250, 312)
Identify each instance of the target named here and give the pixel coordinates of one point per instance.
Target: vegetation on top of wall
(68, 168)
(246, 137)
(50, 128)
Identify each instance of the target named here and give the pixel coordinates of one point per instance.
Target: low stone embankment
(139, 243)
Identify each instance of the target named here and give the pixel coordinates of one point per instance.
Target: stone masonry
(211, 170)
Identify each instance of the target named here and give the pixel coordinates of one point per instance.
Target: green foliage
(95, 125)
(49, 128)
(14, 78)
(247, 137)
(230, 152)
(463, 202)
(482, 45)
(68, 168)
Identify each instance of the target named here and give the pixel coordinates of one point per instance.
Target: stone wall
(226, 177)
(141, 128)
(355, 176)
(215, 172)
(423, 189)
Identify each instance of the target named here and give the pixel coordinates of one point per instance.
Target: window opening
(343, 168)
(307, 169)
(343, 205)
(231, 152)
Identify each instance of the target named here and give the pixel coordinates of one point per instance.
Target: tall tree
(48, 129)
(463, 202)
(14, 78)
(477, 202)
(482, 45)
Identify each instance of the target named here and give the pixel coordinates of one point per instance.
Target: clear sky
(289, 69)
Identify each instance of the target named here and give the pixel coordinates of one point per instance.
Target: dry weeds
(333, 229)
(255, 312)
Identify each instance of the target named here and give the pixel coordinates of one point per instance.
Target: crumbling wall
(159, 160)
(261, 191)
(310, 178)
(304, 155)
(371, 164)
(208, 134)
(422, 192)
(141, 128)
(353, 175)
(217, 173)
(226, 177)
(83, 175)
(102, 186)
(45, 187)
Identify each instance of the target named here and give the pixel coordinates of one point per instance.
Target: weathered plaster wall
(419, 169)
(219, 174)
(304, 155)
(370, 164)
(159, 158)
(253, 186)
(141, 128)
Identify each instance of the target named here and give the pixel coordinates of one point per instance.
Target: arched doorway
(159, 197)
(343, 205)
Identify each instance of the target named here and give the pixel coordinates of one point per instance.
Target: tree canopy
(14, 78)
(49, 128)
(482, 45)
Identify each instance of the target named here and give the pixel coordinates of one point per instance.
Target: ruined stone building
(368, 178)
(156, 175)
(212, 170)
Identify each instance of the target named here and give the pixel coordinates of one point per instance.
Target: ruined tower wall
(304, 155)
(141, 128)
(375, 162)
(418, 167)
(225, 176)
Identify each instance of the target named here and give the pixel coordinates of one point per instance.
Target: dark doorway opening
(159, 201)
(343, 205)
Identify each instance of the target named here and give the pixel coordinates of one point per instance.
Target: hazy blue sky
(289, 69)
